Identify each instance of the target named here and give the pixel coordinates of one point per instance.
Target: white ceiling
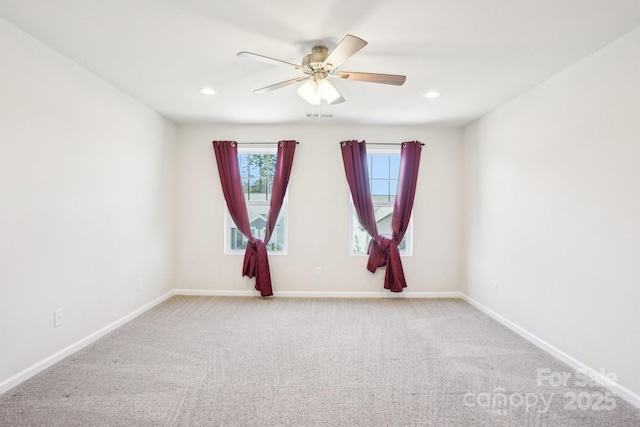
(478, 53)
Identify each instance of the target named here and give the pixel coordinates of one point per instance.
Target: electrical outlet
(58, 318)
(496, 289)
(318, 271)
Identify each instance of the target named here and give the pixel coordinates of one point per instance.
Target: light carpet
(238, 361)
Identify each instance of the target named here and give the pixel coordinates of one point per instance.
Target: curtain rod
(387, 143)
(261, 143)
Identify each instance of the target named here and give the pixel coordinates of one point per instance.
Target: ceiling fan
(320, 64)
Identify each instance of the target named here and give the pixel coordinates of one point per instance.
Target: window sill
(242, 253)
(364, 254)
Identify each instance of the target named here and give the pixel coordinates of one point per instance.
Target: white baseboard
(32, 370)
(601, 379)
(380, 294)
(210, 293)
(322, 294)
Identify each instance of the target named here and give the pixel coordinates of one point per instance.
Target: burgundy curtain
(354, 156)
(383, 250)
(256, 262)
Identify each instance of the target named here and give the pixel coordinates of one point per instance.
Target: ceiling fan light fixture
(309, 92)
(208, 91)
(432, 94)
(314, 91)
(328, 91)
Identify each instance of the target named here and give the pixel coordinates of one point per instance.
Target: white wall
(319, 211)
(552, 210)
(86, 202)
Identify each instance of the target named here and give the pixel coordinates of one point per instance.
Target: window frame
(408, 237)
(228, 222)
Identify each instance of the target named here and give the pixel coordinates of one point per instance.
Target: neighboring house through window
(257, 170)
(384, 169)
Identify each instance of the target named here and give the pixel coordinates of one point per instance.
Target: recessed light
(208, 91)
(432, 94)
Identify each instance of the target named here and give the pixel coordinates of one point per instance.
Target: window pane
(393, 188)
(257, 171)
(244, 171)
(394, 166)
(360, 238)
(380, 187)
(258, 222)
(383, 177)
(379, 166)
(383, 219)
(242, 162)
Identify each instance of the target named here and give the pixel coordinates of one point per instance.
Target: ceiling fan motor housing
(315, 59)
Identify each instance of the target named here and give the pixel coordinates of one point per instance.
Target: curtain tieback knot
(379, 249)
(384, 251)
(254, 255)
(255, 243)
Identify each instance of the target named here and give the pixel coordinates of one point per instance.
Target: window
(384, 168)
(257, 170)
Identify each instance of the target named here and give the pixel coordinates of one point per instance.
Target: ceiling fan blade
(267, 59)
(388, 79)
(338, 101)
(345, 49)
(279, 85)
(332, 94)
